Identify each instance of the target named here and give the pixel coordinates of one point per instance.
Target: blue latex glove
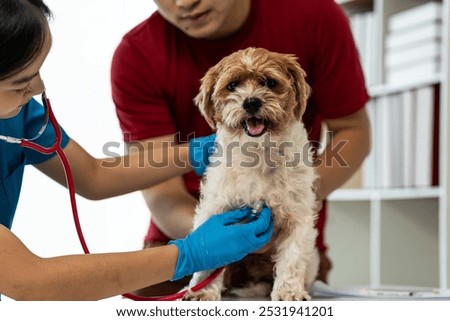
(200, 148)
(221, 241)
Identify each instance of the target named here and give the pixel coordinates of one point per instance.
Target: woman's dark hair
(22, 34)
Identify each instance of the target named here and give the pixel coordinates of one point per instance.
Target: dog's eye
(232, 85)
(271, 83)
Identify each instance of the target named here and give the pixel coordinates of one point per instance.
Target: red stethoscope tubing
(178, 295)
(56, 147)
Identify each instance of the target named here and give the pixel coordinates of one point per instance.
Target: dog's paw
(203, 295)
(290, 295)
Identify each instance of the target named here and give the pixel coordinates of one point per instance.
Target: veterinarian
(25, 41)
(156, 73)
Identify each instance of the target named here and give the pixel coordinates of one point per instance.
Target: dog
(255, 100)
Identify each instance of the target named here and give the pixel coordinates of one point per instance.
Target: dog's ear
(204, 99)
(301, 87)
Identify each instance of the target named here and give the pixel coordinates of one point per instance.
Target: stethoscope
(56, 148)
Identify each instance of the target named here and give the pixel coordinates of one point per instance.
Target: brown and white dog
(255, 99)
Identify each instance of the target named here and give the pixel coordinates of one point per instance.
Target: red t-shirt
(156, 70)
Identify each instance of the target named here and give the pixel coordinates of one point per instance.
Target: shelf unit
(355, 6)
(395, 236)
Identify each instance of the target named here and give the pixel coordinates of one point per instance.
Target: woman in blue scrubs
(25, 41)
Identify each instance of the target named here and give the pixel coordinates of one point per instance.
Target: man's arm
(148, 163)
(171, 205)
(345, 152)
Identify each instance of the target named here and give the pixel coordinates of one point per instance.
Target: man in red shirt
(156, 73)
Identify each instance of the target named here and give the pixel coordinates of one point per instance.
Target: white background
(77, 77)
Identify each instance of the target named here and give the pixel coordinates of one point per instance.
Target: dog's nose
(252, 105)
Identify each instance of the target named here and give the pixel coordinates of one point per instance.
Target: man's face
(205, 19)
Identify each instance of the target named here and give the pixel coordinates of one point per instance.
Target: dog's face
(254, 91)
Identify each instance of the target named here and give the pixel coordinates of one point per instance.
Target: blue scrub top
(13, 157)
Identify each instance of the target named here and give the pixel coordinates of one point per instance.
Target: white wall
(76, 74)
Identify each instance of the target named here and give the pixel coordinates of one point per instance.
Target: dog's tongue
(255, 126)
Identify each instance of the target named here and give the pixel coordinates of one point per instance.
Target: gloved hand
(221, 240)
(200, 148)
